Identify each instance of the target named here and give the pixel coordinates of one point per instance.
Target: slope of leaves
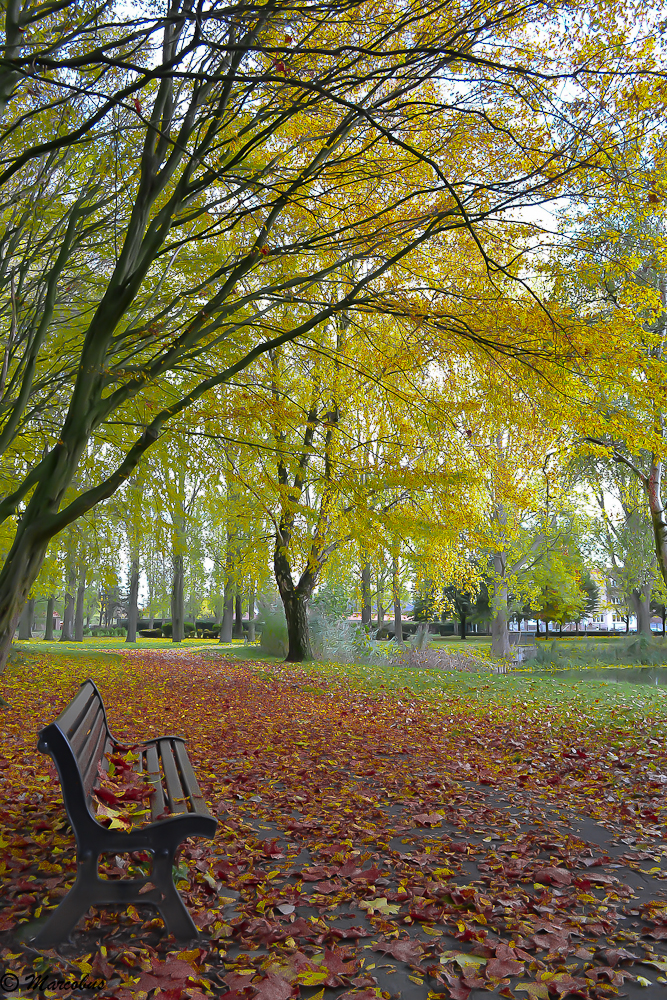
(370, 842)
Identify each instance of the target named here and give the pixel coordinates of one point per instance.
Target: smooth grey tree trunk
(396, 591)
(227, 624)
(68, 613)
(48, 624)
(80, 597)
(366, 609)
(500, 637)
(238, 616)
(641, 600)
(133, 597)
(25, 622)
(251, 612)
(177, 610)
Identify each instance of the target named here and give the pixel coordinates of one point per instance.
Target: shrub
(150, 633)
(273, 627)
(188, 630)
(335, 640)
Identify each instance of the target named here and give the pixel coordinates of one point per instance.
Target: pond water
(635, 675)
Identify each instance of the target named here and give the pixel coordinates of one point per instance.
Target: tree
(232, 162)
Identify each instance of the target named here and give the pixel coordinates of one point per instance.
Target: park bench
(79, 741)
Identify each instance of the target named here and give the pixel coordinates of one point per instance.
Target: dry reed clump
(437, 659)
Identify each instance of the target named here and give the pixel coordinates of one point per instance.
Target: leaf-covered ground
(404, 835)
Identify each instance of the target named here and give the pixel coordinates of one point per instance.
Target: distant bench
(78, 742)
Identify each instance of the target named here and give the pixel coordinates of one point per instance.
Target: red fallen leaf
(615, 976)
(328, 886)
(236, 982)
(136, 793)
(273, 987)
(602, 879)
(167, 975)
(271, 849)
(347, 933)
(317, 872)
(359, 995)
(553, 876)
(107, 796)
(428, 819)
(457, 989)
(348, 869)
(137, 105)
(364, 980)
(564, 985)
(615, 955)
(404, 949)
(499, 968)
(369, 875)
(458, 848)
(657, 933)
(336, 963)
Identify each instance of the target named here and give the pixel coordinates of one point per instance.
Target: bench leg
(172, 908)
(66, 916)
(88, 891)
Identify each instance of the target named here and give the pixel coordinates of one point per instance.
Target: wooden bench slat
(175, 793)
(189, 779)
(83, 727)
(155, 778)
(69, 717)
(96, 745)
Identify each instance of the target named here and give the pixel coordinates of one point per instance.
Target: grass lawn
(381, 831)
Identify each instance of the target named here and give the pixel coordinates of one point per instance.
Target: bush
(335, 640)
(150, 633)
(273, 626)
(188, 630)
(639, 650)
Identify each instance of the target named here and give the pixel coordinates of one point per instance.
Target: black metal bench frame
(77, 742)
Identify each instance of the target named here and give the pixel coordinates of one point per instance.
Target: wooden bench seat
(79, 741)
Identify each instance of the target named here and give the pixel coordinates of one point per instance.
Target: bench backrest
(77, 742)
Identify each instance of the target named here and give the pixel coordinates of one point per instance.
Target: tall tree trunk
(231, 560)
(133, 598)
(295, 602)
(227, 626)
(80, 597)
(546, 628)
(380, 598)
(251, 612)
(238, 615)
(396, 592)
(177, 608)
(298, 633)
(653, 488)
(500, 638)
(25, 622)
(463, 621)
(641, 600)
(67, 631)
(366, 609)
(48, 624)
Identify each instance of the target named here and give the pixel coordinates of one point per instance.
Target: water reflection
(635, 675)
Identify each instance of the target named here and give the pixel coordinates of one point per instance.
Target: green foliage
(188, 630)
(640, 650)
(332, 599)
(273, 627)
